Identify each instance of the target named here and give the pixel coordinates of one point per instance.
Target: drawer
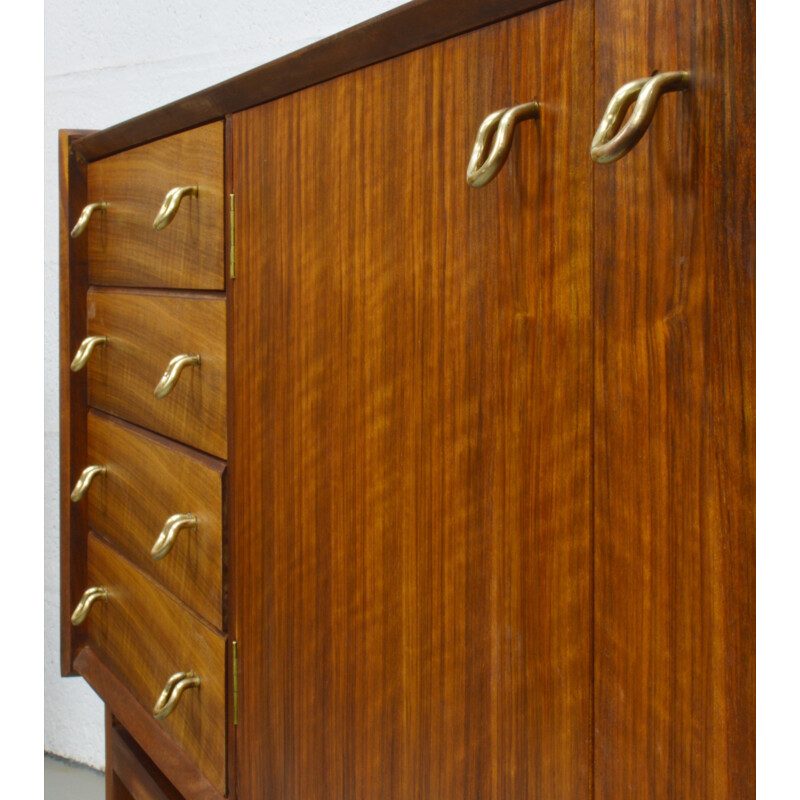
(149, 480)
(145, 637)
(145, 331)
(125, 249)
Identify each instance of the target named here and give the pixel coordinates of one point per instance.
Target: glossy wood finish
(434, 395)
(675, 411)
(412, 469)
(135, 771)
(398, 31)
(144, 637)
(168, 757)
(145, 331)
(149, 479)
(124, 249)
(72, 389)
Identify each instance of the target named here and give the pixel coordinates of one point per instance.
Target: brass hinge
(232, 225)
(235, 649)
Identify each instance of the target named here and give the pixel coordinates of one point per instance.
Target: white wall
(105, 63)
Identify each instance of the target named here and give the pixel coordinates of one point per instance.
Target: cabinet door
(411, 475)
(675, 410)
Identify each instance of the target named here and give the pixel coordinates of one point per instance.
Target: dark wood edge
(109, 754)
(136, 771)
(73, 278)
(210, 462)
(401, 30)
(228, 550)
(176, 766)
(173, 294)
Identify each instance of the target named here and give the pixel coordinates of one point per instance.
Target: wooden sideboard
(404, 487)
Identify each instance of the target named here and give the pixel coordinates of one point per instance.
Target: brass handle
(85, 350)
(173, 372)
(86, 215)
(169, 208)
(85, 481)
(85, 603)
(176, 685)
(169, 533)
(646, 92)
(503, 122)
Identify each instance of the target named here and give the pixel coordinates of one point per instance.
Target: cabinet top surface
(408, 27)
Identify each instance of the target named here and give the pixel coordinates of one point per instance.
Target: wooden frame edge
(229, 550)
(73, 277)
(397, 31)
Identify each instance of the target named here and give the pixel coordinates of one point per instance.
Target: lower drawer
(145, 637)
(149, 479)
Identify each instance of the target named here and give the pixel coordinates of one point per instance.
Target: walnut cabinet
(380, 483)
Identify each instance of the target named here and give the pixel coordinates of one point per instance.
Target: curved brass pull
(85, 350)
(86, 215)
(173, 372)
(502, 121)
(169, 208)
(646, 92)
(176, 685)
(86, 602)
(169, 532)
(85, 481)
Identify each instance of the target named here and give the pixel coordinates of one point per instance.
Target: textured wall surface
(102, 66)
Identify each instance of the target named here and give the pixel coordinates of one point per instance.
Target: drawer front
(147, 481)
(145, 636)
(125, 249)
(145, 331)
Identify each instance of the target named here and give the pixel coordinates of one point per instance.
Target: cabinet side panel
(412, 419)
(72, 389)
(675, 410)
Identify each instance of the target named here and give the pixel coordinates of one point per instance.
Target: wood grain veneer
(124, 249)
(148, 480)
(412, 469)
(675, 411)
(182, 772)
(491, 480)
(145, 331)
(144, 637)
